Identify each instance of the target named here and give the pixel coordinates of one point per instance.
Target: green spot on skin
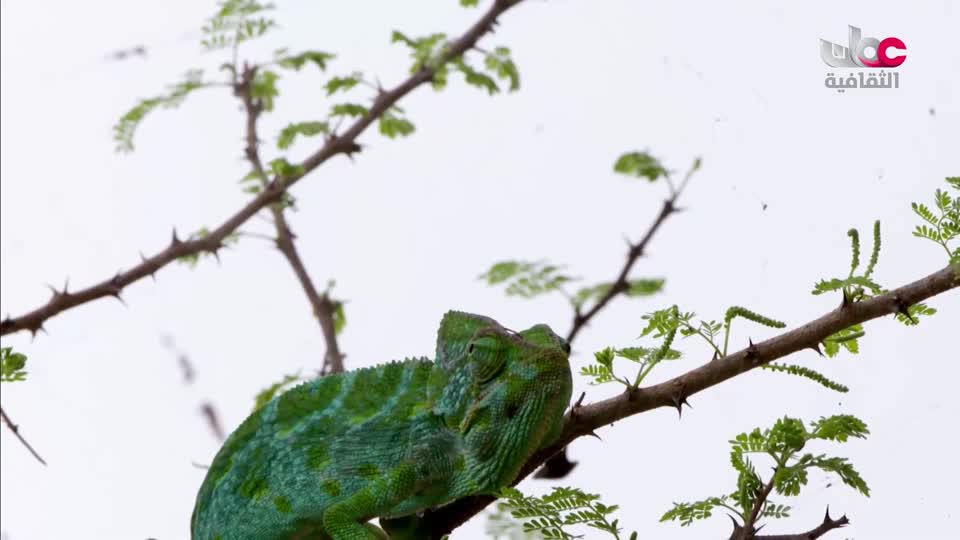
(460, 463)
(332, 487)
(317, 457)
(368, 471)
(297, 404)
(254, 487)
(282, 504)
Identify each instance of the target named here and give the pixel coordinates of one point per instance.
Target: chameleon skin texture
(325, 457)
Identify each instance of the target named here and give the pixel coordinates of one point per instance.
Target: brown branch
(590, 417)
(211, 243)
(828, 525)
(622, 283)
(16, 431)
(323, 307)
(560, 465)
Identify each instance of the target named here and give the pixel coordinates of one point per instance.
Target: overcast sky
(788, 167)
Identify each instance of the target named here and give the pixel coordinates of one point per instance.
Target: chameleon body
(390, 441)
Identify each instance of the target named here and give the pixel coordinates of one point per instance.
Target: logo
(860, 53)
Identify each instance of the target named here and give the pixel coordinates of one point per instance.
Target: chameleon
(324, 458)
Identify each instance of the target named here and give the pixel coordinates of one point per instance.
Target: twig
(826, 526)
(345, 143)
(603, 413)
(16, 431)
(323, 307)
(747, 531)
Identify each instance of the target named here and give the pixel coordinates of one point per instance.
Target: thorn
(593, 433)
(36, 330)
(574, 411)
(752, 351)
(846, 300)
(174, 239)
(55, 293)
(678, 403)
(816, 347)
(903, 309)
(116, 294)
(716, 356)
(153, 273)
(826, 516)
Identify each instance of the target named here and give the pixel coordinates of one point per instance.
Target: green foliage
(126, 127)
(854, 286)
(297, 61)
(469, 3)
(393, 126)
(555, 515)
(501, 65)
(342, 84)
(268, 393)
(476, 78)
(426, 51)
(339, 315)
(782, 443)
(916, 311)
(808, 373)
(349, 109)
(635, 288)
(235, 22)
(640, 165)
(12, 365)
(944, 225)
(846, 338)
(305, 129)
(263, 88)
(526, 279)
(602, 370)
(284, 169)
(687, 513)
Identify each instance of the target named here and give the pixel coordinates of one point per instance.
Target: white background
(406, 229)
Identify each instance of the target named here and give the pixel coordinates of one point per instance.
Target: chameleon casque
(390, 441)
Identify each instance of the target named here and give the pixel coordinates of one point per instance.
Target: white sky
(406, 229)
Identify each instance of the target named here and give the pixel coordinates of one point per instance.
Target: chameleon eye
(566, 348)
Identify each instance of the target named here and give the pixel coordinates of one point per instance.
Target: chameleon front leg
(342, 521)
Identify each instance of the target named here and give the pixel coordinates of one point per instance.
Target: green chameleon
(390, 441)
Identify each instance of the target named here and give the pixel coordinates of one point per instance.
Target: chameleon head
(519, 388)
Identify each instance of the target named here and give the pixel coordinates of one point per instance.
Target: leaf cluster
(782, 443)
(555, 515)
(12, 365)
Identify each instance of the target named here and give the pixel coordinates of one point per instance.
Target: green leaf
(268, 393)
(297, 61)
(875, 252)
(839, 428)
(737, 311)
(12, 365)
(475, 78)
(284, 169)
(263, 88)
(349, 109)
(233, 24)
(808, 373)
(305, 129)
(640, 165)
(855, 248)
(847, 338)
(469, 3)
(342, 84)
(837, 284)
(500, 64)
(916, 311)
(339, 318)
(526, 279)
(393, 126)
(644, 287)
(844, 469)
(126, 127)
(687, 513)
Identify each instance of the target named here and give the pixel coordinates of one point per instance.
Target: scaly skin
(322, 459)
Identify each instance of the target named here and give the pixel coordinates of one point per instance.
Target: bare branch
(345, 143)
(16, 431)
(590, 417)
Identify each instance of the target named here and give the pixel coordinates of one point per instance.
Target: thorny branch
(560, 465)
(323, 306)
(585, 419)
(16, 431)
(826, 526)
(345, 143)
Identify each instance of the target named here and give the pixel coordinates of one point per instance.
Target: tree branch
(828, 525)
(747, 531)
(585, 419)
(16, 431)
(323, 307)
(211, 243)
